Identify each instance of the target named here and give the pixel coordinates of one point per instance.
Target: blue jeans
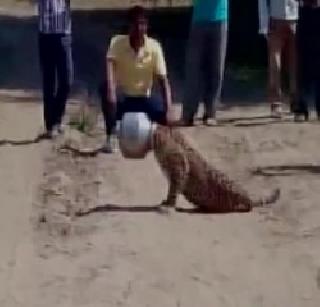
(152, 106)
(56, 62)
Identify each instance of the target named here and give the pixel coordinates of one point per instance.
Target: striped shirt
(54, 16)
(277, 9)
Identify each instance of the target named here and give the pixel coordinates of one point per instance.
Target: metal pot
(135, 132)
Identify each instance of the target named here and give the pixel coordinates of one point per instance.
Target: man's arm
(111, 62)
(162, 76)
(111, 82)
(166, 91)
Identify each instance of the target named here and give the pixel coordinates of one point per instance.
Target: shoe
(276, 110)
(108, 147)
(47, 135)
(209, 121)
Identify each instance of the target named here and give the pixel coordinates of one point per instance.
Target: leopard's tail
(270, 199)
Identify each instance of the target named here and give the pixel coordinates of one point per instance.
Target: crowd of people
(292, 30)
(135, 61)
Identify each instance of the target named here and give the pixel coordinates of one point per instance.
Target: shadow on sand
(117, 208)
(286, 170)
(21, 142)
(149, 209)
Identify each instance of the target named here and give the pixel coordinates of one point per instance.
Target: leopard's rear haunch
(189, 174)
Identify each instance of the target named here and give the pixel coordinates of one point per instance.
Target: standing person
(278, 21)
(134, 61)
(309, 57)
(56, 62)
(205, 60)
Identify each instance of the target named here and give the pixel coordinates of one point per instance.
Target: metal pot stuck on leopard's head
(135, 133)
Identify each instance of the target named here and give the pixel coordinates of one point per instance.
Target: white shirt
(277, 9)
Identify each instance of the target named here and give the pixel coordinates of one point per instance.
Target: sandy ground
(122, 252)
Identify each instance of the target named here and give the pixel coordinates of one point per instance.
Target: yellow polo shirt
(135, 71)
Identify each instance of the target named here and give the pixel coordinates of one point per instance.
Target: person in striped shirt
(55, 52)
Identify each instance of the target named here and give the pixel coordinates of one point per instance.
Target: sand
(122, 252)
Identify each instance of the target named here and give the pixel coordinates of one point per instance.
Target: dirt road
(124, 253)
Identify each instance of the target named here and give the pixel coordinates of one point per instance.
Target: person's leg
(193, 75)
(156, 110)
(317, 59)
(213, 66)
(291, 52)
(275, 44)
(152, 106)
(64, 75)
(317, 88)
(47, 63)
(111, 112)
(305, 64)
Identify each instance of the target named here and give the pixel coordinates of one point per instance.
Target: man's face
(139, 27)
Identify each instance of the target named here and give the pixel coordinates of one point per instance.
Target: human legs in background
(213, 68)
(204, 69)
(55, 54)
(291, 54)
(317, 60)
(317, 84)
(193, 73)
(64, 76)
(48, 65)
(275, 45)
(281, 41)
(308, 61)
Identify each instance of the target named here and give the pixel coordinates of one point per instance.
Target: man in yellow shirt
(134, 62)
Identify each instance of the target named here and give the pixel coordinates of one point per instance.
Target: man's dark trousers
(308, 39)
(55, 52)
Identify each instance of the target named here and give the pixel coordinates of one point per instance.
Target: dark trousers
(55, 51)
(152, 106)
(308, 39)
(205, 62)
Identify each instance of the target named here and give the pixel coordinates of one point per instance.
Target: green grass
(84, 119)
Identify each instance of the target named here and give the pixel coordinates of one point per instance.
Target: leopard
(189, 174)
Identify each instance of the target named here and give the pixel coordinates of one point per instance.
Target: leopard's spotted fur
(189, 174)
